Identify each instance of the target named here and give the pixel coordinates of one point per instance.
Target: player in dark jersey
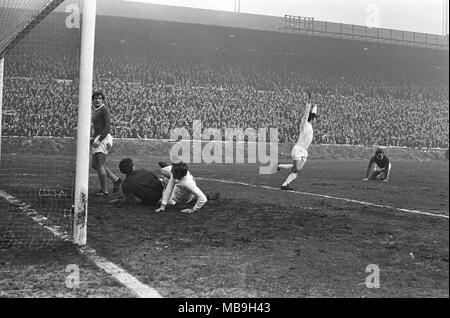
(102, 143)
(139, 186)
(381, 167)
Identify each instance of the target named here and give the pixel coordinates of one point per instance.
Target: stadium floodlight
(22, 30)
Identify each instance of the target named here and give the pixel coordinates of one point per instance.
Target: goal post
(84, 120)
(2, 73)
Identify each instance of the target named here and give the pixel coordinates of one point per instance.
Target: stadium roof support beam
(309, 26)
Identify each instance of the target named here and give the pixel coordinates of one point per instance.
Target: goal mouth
(40, 43)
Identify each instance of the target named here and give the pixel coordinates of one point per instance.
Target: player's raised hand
(307, 94)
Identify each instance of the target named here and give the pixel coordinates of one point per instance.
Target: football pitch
(257, 241)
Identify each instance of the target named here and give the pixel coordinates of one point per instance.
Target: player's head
(379, 153)
(126, 166)
(179, 170)
(98, 98)
(312, 115)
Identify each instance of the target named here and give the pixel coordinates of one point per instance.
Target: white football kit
(183, 191)
(300, 150)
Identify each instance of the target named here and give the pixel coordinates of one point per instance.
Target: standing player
(299, 152)
(381, 167)
(102, 143)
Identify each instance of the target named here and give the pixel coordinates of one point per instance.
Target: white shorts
(298, 153)
(179, 195)
(376, 168)
(105, 144)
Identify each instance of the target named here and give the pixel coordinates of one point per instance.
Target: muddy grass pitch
(257, 241)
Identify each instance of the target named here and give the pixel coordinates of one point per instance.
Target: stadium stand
(164, 75)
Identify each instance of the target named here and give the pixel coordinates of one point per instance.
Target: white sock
(291, 177)
(285, 166)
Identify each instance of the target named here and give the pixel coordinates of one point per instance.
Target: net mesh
(40, 41)
(20, 17)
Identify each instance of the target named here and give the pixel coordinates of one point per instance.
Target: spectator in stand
(151, 96)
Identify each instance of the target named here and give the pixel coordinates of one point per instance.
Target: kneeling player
(381, 167)
(181, 188)
(139, 186)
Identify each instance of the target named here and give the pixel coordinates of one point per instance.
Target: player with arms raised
(299, 152)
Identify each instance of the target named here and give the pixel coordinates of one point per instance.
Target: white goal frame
(88, 11)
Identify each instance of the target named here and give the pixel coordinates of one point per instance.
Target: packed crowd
(149, 98)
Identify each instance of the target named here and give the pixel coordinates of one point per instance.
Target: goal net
(39, 70)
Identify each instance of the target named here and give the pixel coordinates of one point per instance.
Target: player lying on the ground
(299, 152)
(139, 186)
(181, 188)
(381, 167)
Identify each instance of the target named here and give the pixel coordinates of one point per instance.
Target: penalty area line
(330, 197)
(126, 279)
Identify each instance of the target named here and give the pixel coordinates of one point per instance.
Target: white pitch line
(330, 197)
(320, 195)
(118, 273)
